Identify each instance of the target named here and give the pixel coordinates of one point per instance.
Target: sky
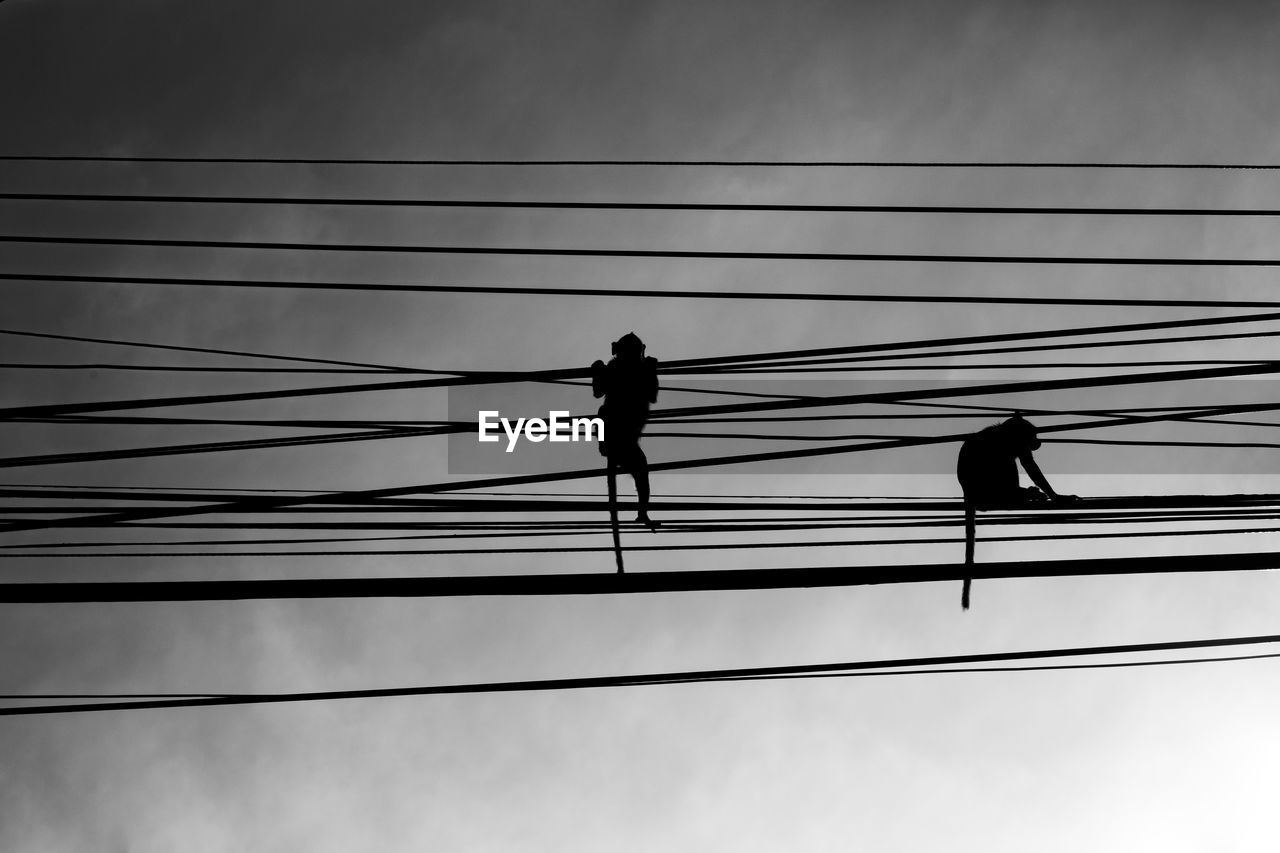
(1170, 758)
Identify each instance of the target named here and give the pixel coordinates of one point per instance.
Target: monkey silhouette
(987, 467)
(629, 385)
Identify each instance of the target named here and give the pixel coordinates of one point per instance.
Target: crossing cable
(691, 526)
(81, 457)
(1024, 386)
(746, 436)
(274, 503)
(183, 368)
(518, 204)
(687, 527)
(574, 530)
(1097, 511)
(1008, 410)
(166, 281)
(580, 373)
(1026, 410)
(22, 333)
(350, 366)
(102, 700)
(603, 549)
(469, 506)
(283, 423)
(318, 423)
(1056, 346)
(899, 666)
(880, 367)
(503, 494)
(597, 583)
(542, 251)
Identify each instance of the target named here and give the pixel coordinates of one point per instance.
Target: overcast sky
(1175, 759)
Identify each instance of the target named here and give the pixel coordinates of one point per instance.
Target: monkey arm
(651, 378)
(599, 378)
(1037, 476)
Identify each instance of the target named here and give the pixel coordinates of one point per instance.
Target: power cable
(883, 667)
(561, 251)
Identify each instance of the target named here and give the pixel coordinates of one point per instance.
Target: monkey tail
(970, 535)
(613, 514)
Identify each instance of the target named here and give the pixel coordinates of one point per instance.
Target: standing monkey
(629, 384)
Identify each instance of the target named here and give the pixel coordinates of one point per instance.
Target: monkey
(988, 472)
(629, 384)
(987, 469)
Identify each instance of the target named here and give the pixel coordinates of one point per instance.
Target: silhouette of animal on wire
(629, 385)
(987, 469)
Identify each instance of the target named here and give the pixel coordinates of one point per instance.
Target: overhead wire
(636, 293)
(258, 503)
(596, 583)
(591, 162)
(953, 663)
(605, 549)
(564, 204)
(564, 251)
(578, 373)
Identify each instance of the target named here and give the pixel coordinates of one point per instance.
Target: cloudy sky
(1176, 758)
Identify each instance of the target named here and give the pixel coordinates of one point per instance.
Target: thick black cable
(637, 293)
(81, 457)
(765, 163)
(103, 705)
(1044, 668)
(22, 333)
(602, 549)
(791, 364)
(258, 504)
(578, 373)
(1153, 515)
(1024, 386)
(281, 423)
(698, 527)
(669, 366)
(681, 365)
(687, 676)
(178, 368)
(595, 583)
(327, 503)
(561, 251)
(517, 204)
(746, 436)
